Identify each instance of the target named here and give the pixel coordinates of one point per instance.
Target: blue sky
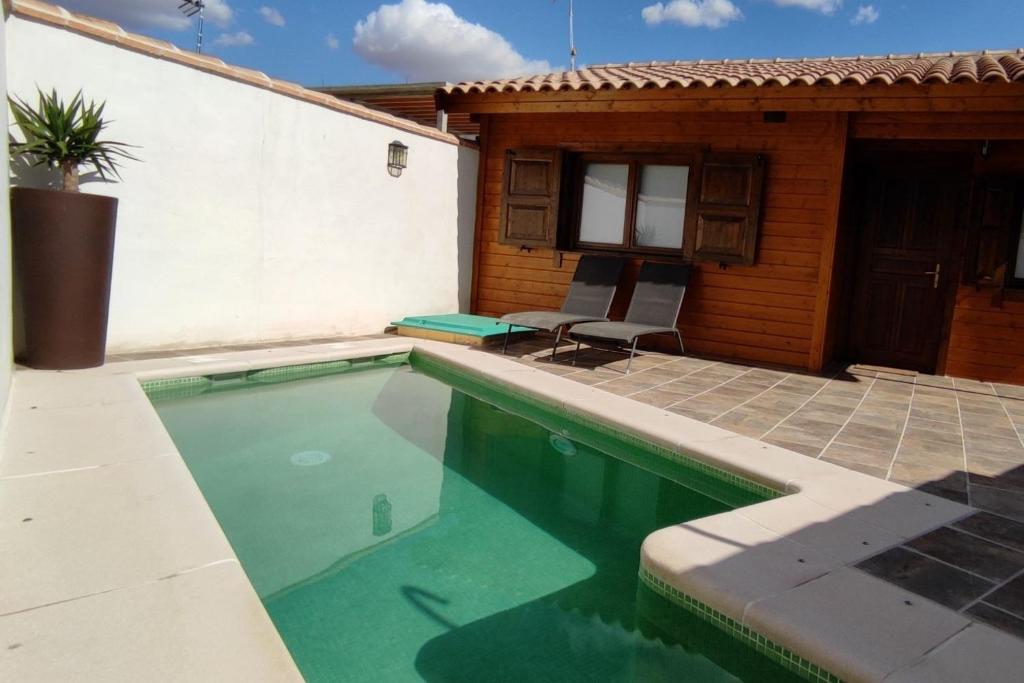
(366, 41)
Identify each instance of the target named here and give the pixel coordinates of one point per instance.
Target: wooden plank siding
(987, 337)
(762, 313)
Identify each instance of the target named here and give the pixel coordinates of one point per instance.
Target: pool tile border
(777, 653)
(759, 490)
(183, 387)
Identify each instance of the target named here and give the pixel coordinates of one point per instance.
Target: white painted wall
(6, 362)
(255, 216)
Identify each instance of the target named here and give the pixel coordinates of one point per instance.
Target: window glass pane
(1018, 272)
(661, 206)
(604, 203)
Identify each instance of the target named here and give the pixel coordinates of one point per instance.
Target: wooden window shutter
(722, 225)
(993, 219)
(529, 197)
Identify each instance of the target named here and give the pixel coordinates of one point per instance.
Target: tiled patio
(960, 439)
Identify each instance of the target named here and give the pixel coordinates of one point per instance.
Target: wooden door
(907, 219)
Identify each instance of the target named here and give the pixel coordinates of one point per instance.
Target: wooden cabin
(862, 210)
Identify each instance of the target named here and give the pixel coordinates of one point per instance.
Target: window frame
(634, 162)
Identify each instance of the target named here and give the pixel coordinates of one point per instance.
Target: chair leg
(558, 338)
(508, 333)
(632, 353)
(682, 351)
(576, 353)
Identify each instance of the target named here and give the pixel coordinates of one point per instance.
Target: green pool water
(399, 528)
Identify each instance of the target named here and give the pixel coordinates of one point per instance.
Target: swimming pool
(405, 521)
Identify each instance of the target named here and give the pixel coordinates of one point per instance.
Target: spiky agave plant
(66, 136)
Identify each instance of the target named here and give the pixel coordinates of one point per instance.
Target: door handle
(935, 275)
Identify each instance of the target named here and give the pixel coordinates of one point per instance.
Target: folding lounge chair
(590, 297)
(655, 305)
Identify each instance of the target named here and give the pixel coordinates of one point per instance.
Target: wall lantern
(398, 155)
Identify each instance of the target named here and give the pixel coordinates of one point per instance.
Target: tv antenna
(191, 8)
(572, 38)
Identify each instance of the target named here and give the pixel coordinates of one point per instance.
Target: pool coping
(780, 569)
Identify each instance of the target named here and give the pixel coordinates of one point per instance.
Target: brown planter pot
(62, 245)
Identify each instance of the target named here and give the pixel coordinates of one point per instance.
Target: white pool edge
(780, 568)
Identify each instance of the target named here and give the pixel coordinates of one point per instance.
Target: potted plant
(62, 241)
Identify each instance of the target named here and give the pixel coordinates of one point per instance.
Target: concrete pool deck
(114, 567)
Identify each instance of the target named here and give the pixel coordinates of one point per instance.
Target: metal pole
(572, 39)
(199, 37)
(190, 8)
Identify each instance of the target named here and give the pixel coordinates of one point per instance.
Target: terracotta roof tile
(946, 67)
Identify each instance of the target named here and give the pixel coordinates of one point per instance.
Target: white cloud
(160, 13)
(332, 41)
(427, 41)
(271, 16)
(823, 6)
(710, 13)
(239, 39)
(866, 14)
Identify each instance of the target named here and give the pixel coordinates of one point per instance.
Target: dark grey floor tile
(925, 576)
(971, 553)
(1007, 503)
(943, 490)
(996, 473)
(1009, 597)
(997, 618)
(994, 528)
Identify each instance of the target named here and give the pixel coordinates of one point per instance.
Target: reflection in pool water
(444, 540)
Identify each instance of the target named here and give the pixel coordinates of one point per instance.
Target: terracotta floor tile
(919, 449)
(655, 397)
(939, 434)
(811, 450)
(841, 452)
(872, 470)
(868, 436)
